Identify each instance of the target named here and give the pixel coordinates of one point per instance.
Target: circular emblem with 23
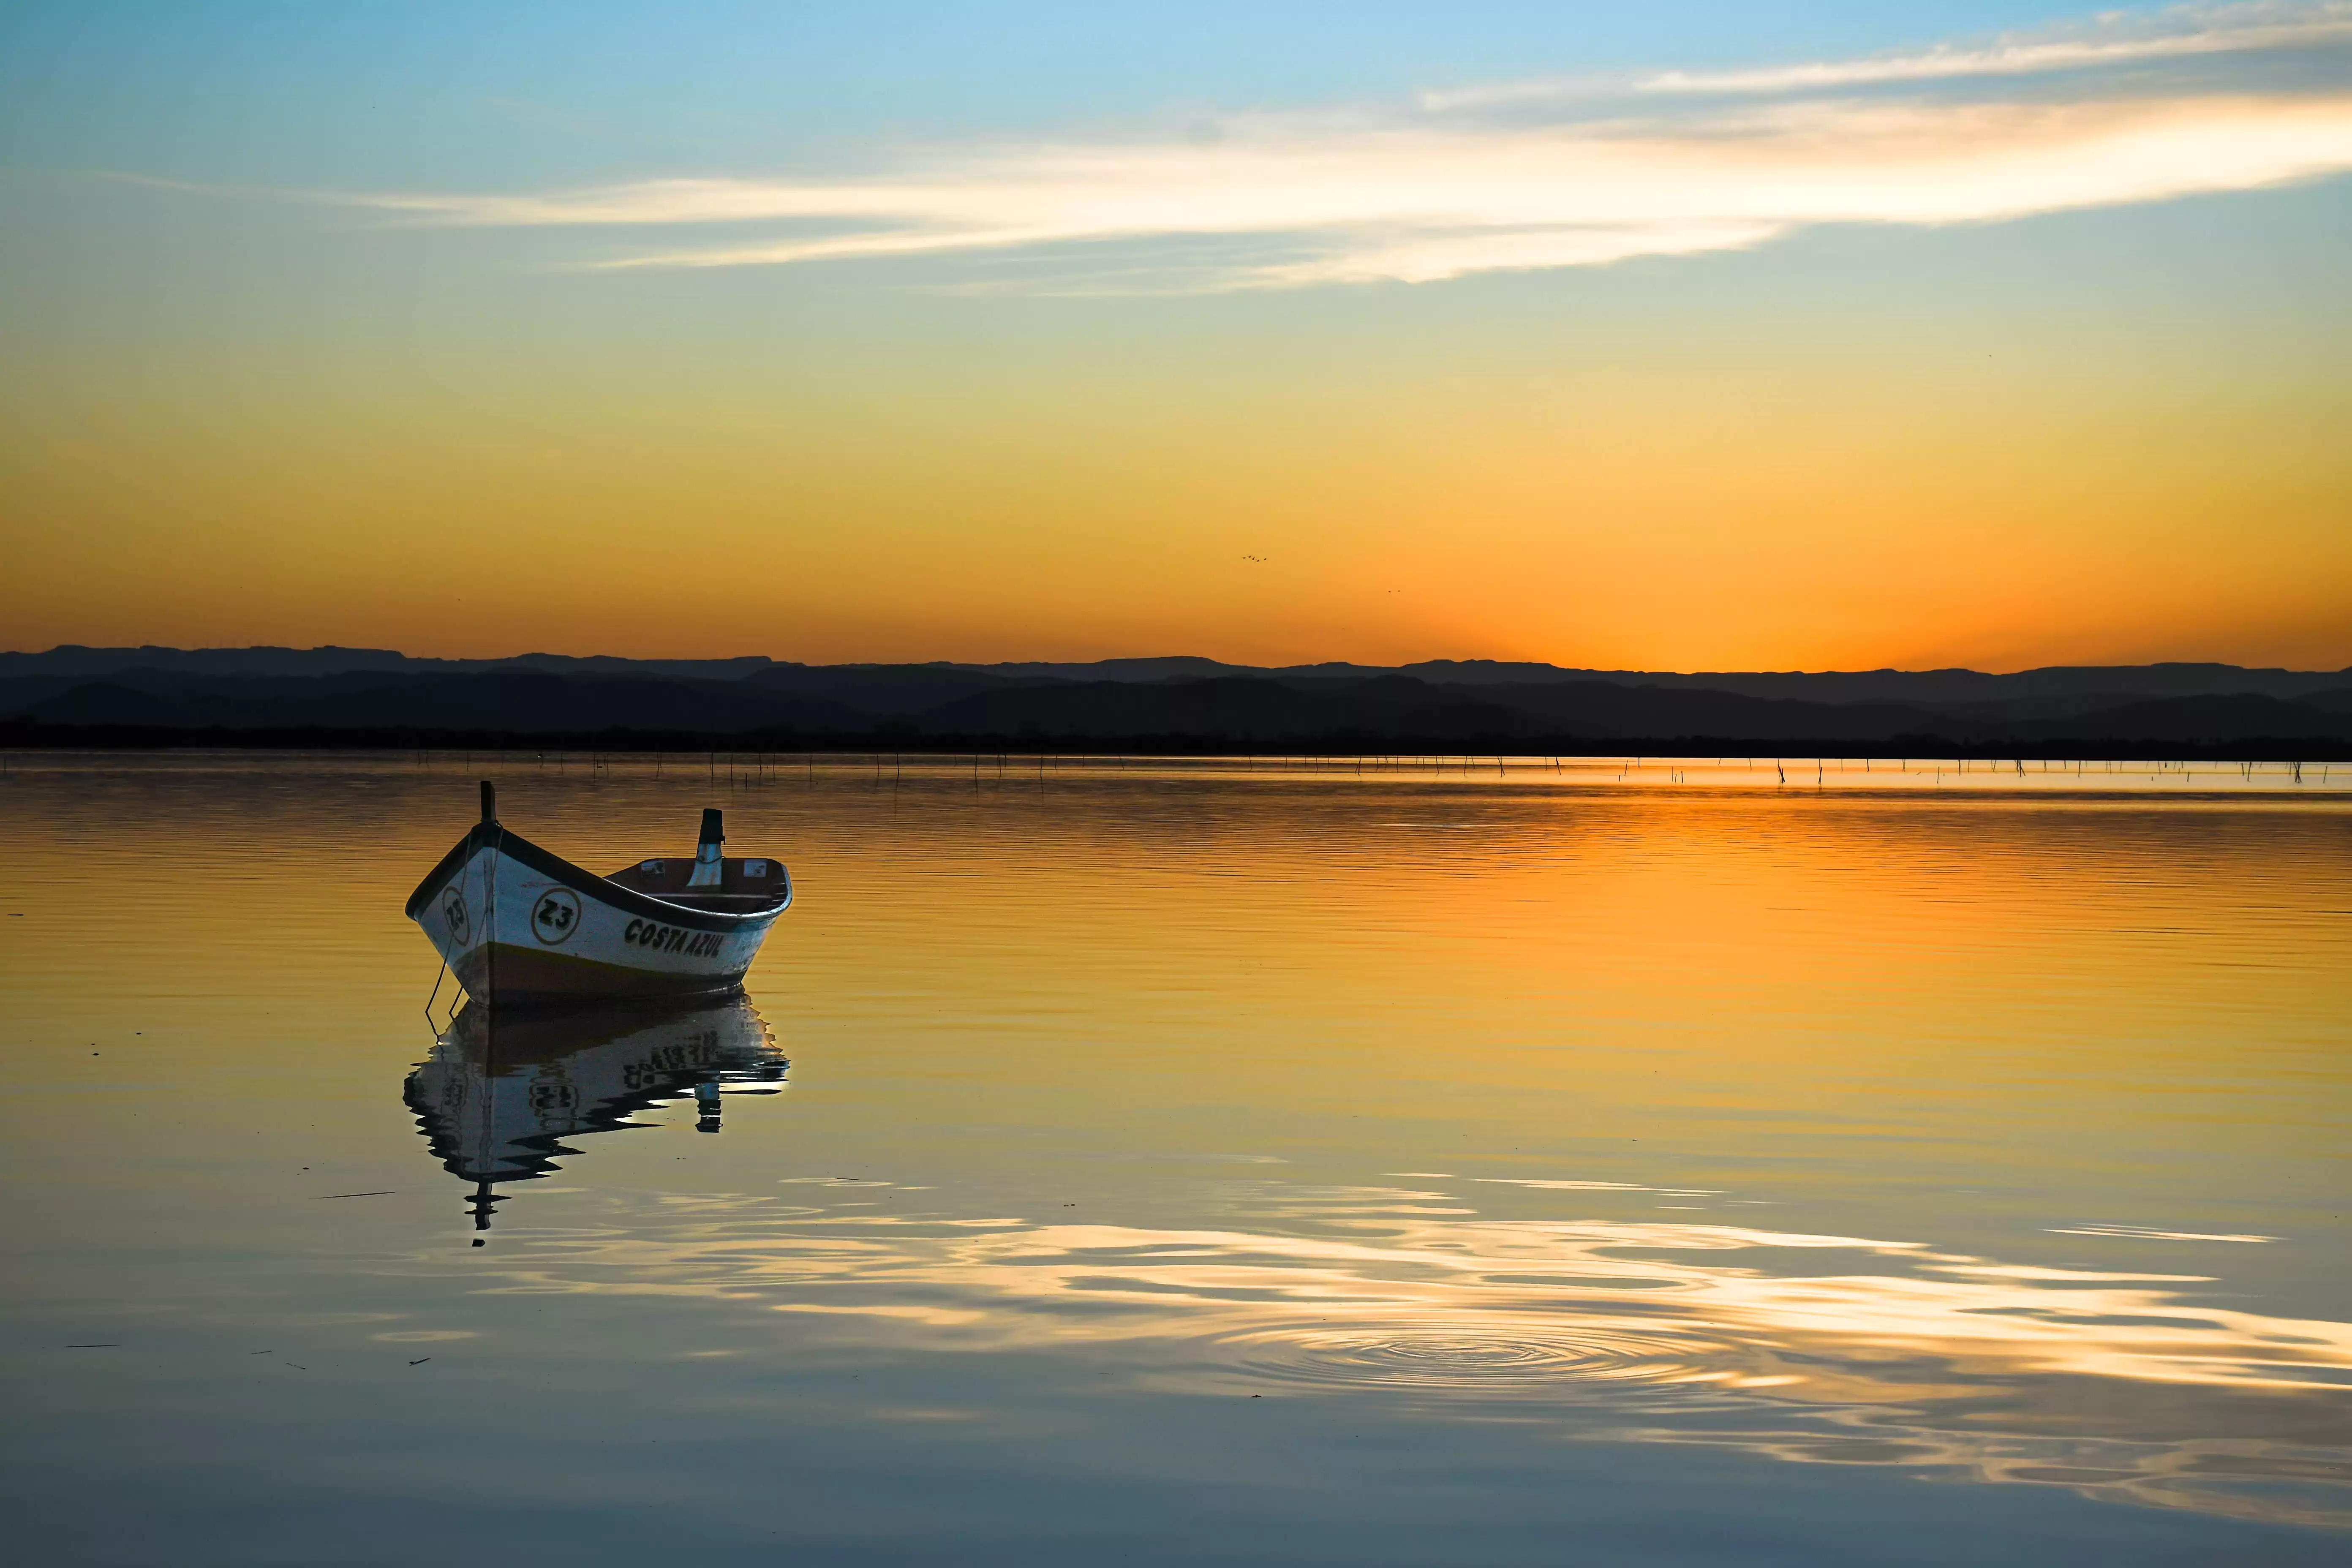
(454, 916)
(555, 917)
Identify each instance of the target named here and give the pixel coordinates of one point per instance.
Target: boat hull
(519, 926)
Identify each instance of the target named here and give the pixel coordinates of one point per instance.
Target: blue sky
(307, 93)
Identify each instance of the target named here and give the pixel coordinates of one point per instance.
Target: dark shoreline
(34, 736)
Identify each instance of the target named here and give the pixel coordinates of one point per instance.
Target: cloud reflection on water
(1804, 1348)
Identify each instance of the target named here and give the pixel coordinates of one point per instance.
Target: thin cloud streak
(1299, 200)
(1423, 205)
(2183, 33)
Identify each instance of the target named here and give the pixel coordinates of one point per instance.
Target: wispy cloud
(2113, 39)
(1451, 188)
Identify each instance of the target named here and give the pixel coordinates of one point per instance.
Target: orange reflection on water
(1620, 1032)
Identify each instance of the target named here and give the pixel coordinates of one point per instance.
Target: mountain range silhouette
(272, 696)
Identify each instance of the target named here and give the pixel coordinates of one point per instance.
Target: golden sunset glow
(1989, 351)
(1287, 785)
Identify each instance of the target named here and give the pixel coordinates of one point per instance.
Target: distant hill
(2108, 684)
(888, 689)
(519, 702)
(1252, 709)
(223, 696)
(71, 660)
(2117, 682)
(2244, 716)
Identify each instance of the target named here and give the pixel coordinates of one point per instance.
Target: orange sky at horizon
(2002, 388)
(1702, 508)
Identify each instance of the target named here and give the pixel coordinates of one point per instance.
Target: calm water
(1193, 1165)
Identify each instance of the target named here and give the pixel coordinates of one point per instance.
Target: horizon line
(1135, 659)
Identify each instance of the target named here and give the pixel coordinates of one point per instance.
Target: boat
(504, 1088)
(519, 926)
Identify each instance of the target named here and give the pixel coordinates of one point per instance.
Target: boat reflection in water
(503, 1089)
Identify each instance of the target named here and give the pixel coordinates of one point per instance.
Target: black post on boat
(490, 801)
(707, 872)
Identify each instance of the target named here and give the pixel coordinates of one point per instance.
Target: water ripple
(1498, 1361)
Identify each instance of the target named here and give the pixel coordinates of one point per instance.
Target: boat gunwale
(507, 841)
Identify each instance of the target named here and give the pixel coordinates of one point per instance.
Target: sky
(1678, 336)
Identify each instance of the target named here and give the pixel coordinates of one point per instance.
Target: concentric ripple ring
(1517, 1361)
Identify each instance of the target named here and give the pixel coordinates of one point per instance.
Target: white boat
(503, 1089)
(518, 925)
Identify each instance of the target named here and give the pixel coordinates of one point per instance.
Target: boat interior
(745, 886)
